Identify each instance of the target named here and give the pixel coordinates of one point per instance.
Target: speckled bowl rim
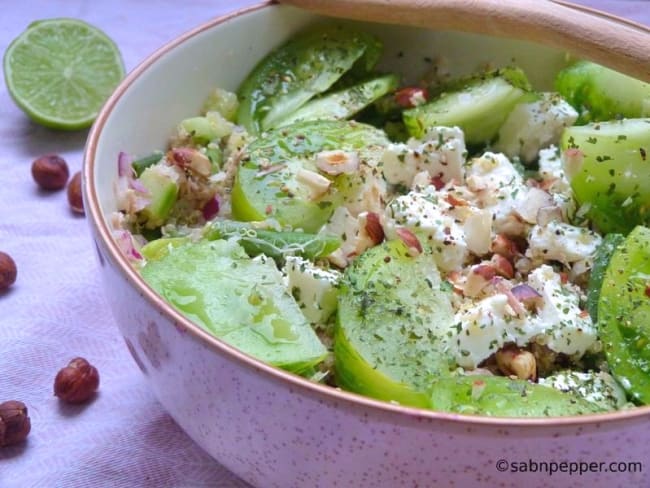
(97, 221)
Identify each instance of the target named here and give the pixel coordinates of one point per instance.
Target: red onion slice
(124, 167)
(210, 209)
(503, 286)
(527, 295)
(126, 245)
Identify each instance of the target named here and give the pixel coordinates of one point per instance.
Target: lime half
(61, 71)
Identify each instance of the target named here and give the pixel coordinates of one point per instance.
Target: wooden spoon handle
(590, 34)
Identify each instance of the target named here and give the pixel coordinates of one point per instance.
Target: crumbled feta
(533, 126)
(559, 241)
(551, 170)
(491, 176)
(483, 327)
(345, 226)
(564, 327)
(428, 215)
(530, 201)
(366, 191)
(314, 288)
(478, 230)
(421, 181)
(555, 180)
(594, 386)
(499, 187)
(441, 153)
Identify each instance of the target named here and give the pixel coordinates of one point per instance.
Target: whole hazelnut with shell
(8, 271)
(75, 198)
(14, 423)
(50, 172)
(77, 382)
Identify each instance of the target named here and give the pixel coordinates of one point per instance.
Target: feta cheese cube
(365, 192)
(425, 215)
(314, 288)
(560, 323)
(536, 125)
(441, 154)
(345, 226)
(559, 241)
(483, 327)
(551, 170)
(500, 188)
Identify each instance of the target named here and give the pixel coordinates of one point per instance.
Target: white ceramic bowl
(270, 427)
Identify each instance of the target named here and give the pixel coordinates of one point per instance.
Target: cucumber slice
(159, 248)
(611, 180)
(499, 396)
(240, 300)
(478, 106)
(163, 192)
(222, 101)
(203, 130)
(393, 315)
(345, 103)
(306, 66)
(624, 314)
(601, 260)
(266, 184)
(600, 93)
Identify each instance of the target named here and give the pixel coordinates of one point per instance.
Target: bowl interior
(173, 83)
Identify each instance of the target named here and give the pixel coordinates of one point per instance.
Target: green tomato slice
(600, 93)
(306, 66)
(608, 166)
(392, 320)
(601, 261)
(344, 103)
(266, 183)
(478, 105)
(500, 396)
(240, 300)
(624, 314)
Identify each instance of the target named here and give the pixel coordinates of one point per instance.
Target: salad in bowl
(464, 244)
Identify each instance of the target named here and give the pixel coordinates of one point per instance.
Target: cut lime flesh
(61, 71)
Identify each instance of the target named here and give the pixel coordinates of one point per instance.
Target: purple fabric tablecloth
(57, 310)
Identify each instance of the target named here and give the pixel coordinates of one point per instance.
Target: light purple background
(57, 311)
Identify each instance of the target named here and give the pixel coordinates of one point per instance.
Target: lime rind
(61, 71)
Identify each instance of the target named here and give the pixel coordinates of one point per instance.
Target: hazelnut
(77, 382)
(74, 194)
(512, 360)
(50, 172)
(373, 228)
(7, 271)
(14, 423)
(410, 239)
(191, 159)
